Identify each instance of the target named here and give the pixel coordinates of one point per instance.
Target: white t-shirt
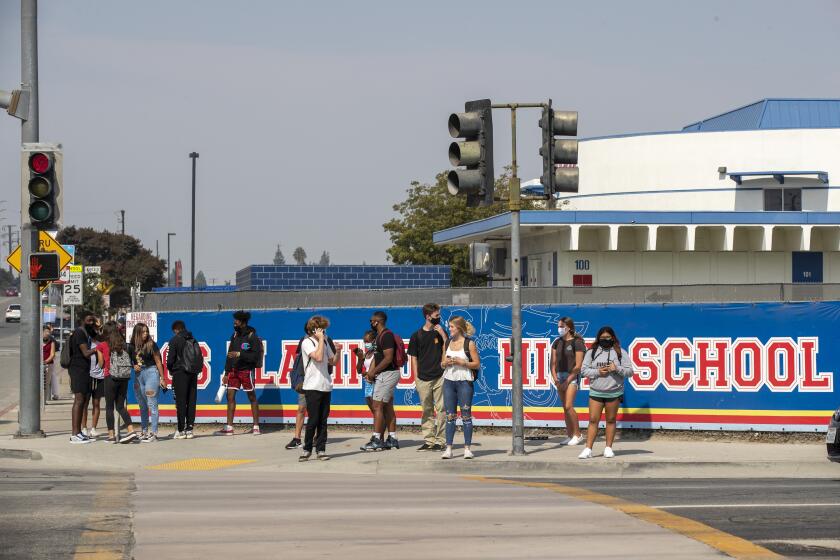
(316, 375)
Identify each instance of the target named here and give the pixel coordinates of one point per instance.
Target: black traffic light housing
(42, 167)
(475, 152)
(44, 266)
(555, 151)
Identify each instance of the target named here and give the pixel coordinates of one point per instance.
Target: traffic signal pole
(29, 415)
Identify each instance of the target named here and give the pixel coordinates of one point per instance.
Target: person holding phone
(317, 357)
(364, 362)
(606, 365)
(459, 362)
(243, 357)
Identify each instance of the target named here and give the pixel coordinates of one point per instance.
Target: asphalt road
(9, 359)
(795, 518)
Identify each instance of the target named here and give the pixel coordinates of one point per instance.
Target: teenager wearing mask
(566, 362)
(148, 380)
(49, 350)
(386, 375)
(118, 368)
(460, 359)
(606, 365)
(79, 370)
(317, 358)
(97, 385)
(425, 349)
(184, 383)
(364, 362)
(243, 357)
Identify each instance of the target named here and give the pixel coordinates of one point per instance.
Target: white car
(13, 313)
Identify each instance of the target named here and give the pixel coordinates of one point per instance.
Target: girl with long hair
(606, 365)
(148, 379)
(566, 362)
(460, 362)
(118, 367)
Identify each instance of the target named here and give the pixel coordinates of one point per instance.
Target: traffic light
(44, 266)
(557, 151)
(41, 172)
(475, 153)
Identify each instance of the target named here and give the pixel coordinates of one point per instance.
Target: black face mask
(373, 325)
(435, 320)
(90, 329)
(239, 329)
(606, 344)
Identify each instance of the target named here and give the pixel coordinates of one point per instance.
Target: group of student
(446, 361)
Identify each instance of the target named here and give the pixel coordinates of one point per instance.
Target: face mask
(46, 338)
(90, 329)
(606, 344)
(562, 330)
(239, 328)
(435, 320)
(373, 325)
(368, 346)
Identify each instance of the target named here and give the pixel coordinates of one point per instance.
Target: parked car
(13, 313)
(11, 292)
(832, 438)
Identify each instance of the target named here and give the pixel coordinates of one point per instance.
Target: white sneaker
(179, 435)
(92, 433)
(447, 454)
(609, 453)
(188, 434)
(576, 440)
(467, 453)
(565, 441)
(585, 454)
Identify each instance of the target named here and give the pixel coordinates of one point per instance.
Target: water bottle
(221, 392)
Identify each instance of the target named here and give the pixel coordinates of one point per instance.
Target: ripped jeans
(458, 394)
(147, 389)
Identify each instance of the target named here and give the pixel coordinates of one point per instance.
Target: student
(51, 375)
(148, 380)
(364, 362)
(425, 349)
(118, 369)
(243, 356)
(566, 362)
(386, 376)
(184, 383)
(317, 356)
(460, 359)
(79, 370)
(606, 365)
(97, 383)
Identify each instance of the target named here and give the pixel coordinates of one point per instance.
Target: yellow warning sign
(46, 244)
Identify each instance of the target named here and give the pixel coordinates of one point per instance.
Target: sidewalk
(634, 458)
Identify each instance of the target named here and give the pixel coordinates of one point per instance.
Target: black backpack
(467, 340)
(298, 373)
(191, 356)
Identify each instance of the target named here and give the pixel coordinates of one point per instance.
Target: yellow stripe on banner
(733, 546)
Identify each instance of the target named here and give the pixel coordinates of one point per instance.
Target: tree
(300, 256)
(123, 259)
(200, 280)
(430, 208)
(279, 259)
(325, 259)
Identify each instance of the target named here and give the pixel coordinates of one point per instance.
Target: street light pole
(193, 156)
(168, 255)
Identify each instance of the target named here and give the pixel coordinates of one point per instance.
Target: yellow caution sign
(46, 244)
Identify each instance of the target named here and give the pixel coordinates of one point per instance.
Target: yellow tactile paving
(200, 464)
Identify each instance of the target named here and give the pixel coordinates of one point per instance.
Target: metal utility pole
(29, 417)
(122, 221)
(168, 256)
(193, 157)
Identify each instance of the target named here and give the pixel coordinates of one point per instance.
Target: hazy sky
(312, 118)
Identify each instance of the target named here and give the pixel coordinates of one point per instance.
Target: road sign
(104, 288)
(93, 270)
(73, 288)
(46, 244)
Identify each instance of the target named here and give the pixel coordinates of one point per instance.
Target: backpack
(400, 357)
(191, 356)
(467, 341)
(298, 373)
(120, 365)
(64, 357)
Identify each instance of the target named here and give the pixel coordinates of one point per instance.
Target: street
(9, 359)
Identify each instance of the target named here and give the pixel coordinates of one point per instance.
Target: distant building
(342, 277)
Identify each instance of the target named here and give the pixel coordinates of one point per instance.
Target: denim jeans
(458, 394)
(147, 381)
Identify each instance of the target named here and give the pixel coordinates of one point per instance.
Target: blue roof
(775, 114)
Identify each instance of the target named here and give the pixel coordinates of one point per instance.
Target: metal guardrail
(719, 293)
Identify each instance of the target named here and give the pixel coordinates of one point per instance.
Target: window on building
(787, 200)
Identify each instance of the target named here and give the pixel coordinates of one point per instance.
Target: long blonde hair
(463, 325)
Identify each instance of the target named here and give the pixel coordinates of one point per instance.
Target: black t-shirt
(78, 362)
(147, 359)
(427, 347)
(566, 354)
(383, 342)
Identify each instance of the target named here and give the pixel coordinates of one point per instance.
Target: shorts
(368, 387)
(383, 387)
(97, 388)
(606, 400)
(80, 382)
(241, 379)
(561, 378)
(301, 400)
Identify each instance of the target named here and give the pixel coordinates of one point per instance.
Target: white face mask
(562, 330)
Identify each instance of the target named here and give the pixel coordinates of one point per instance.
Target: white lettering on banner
(149, 318)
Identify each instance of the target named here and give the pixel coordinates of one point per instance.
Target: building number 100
(582, 264)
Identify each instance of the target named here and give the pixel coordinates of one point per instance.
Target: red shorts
(241, 379)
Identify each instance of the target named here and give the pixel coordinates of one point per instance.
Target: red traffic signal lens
(40, 162)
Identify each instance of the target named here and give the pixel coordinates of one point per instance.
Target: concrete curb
(20, 454)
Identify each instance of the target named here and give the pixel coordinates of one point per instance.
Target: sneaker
(447, 454)
(179, 435)
(585, 454)
(436, 447)
(565, 441)
(322, 456)
(576, 440)
(425, 447)
(294, 444)
(92, 433)
(129, 437)
(226, 431)
(467, 453)
(304, 456)
(255, 431)
(375, 444)
(391, 443)
(189, 434)
(609, 453)
(150, 438)
(80, 438)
